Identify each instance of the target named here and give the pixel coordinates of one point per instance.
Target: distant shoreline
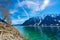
(34, 26)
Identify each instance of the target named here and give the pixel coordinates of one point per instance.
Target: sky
(22, 10)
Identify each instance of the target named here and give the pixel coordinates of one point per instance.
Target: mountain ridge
(49, 20)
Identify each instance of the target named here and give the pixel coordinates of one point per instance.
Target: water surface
(39, 33)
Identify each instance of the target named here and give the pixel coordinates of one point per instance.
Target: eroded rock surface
(8, 32)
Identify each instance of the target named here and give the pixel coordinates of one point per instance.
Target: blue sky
(21, 10)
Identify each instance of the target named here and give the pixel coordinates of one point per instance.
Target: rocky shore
(8, 32)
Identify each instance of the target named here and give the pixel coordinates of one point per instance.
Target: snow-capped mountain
(49, 20)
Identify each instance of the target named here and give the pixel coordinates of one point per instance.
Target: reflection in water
(41, 33)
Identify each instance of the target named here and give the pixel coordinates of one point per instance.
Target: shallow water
(39, 33)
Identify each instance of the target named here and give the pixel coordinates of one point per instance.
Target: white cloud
(13, 11)
(34, 5)
(30, 4)
(19, 21)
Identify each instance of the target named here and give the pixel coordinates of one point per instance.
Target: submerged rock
(8, 32)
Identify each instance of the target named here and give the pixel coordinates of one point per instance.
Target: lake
(39, 33)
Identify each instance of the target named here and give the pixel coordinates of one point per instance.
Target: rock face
(8, 32)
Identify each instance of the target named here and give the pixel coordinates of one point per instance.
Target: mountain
(49, 20)
(32, 21)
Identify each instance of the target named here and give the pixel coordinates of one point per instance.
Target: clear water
(39, 33)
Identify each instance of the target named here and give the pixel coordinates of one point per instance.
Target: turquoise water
(39, 33)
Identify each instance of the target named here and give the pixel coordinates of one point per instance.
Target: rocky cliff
(8, 32)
